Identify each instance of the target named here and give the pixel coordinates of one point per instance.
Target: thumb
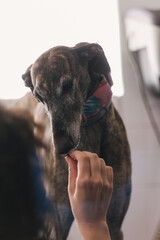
(72, 174)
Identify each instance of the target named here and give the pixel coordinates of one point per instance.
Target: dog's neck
(97, 104)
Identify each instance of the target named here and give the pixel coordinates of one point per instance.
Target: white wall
(144, 212)
(30, 27)
(125, 4)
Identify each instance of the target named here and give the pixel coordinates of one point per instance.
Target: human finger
(95, 164)
(72, 174)
(107, 175)
(103, 169)
(109, 171)
(84, 169)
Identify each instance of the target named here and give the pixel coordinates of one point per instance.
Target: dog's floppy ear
(97, 62)
(27, 78)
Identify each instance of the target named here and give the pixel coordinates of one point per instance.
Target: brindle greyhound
(73, 84)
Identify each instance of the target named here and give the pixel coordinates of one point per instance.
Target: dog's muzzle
(64, 143)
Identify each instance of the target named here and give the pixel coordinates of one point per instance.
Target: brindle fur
(63, 78)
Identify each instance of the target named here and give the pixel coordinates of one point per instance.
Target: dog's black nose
(63, 144)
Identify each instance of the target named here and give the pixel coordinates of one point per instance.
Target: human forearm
(94, 231)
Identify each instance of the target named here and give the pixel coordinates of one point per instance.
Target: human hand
(90, 188)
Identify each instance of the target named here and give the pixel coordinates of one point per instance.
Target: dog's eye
(67, 86)
(39, 98)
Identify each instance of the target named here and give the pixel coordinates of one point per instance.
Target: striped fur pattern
(62, 79)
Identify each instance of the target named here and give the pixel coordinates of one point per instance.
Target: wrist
(94, 231)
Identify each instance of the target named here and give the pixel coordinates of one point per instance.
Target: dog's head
(63, 78)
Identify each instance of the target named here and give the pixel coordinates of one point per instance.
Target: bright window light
(30, 27)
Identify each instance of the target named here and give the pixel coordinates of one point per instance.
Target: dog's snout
(63, 144)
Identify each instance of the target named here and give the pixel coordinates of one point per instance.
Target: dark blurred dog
(74, 84)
